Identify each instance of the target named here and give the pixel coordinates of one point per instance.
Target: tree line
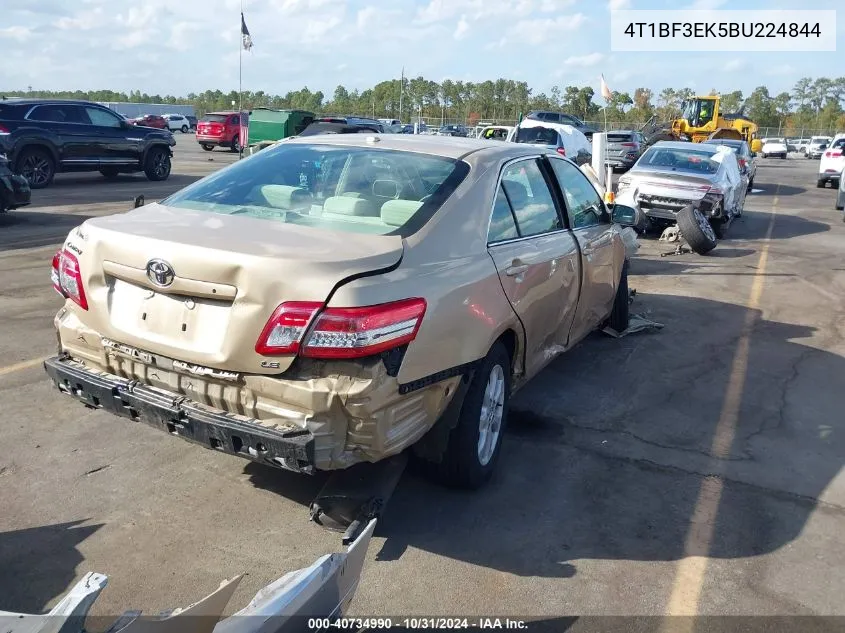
(811, 104)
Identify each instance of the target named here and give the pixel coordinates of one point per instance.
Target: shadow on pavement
(42, 561)
(25, 228)
(608, 446)
(77, 189)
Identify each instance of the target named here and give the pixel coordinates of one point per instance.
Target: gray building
(132, 110)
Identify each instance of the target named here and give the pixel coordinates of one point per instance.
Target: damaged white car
(699, 187)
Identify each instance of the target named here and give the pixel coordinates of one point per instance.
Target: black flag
(247, 38)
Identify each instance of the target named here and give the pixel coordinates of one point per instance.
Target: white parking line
(26, 364)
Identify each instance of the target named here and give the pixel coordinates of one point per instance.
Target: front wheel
(696, 230)
(474, 444)
(157, 166)
(620, 314)
(820, 184)
(207, 147)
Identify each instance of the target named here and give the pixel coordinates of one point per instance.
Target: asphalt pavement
(692, 470)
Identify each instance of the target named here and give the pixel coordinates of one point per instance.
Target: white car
(802, 144)
(566, 140)
(832, 162)
(817, 146)
(774, 147)
(177, 122)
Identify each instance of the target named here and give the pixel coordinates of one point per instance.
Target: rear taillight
(4, 130)
(629, 144)
(742, 163)
(67, 278)
(833, 153)
(561, 151)
(54, 273)
(340, 332)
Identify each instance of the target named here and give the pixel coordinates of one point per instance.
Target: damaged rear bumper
(290, 448)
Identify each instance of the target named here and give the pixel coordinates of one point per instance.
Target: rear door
(536, 258)
(80, 146)
(602, 252)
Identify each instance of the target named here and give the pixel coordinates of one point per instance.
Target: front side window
(102, 118)
(583, 203)
(328, 188)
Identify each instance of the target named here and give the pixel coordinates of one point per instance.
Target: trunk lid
(671, 184)
(620, 144)
(227, 275)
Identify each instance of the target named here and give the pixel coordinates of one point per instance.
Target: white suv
(832, 162)
(817, 146)
(177, 122)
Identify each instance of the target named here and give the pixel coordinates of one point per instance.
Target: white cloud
(317, 29)
(477, 10)
(139, 18)
(366, 17)
(550, 6)
(19, 33)
(584, 61)
(83, 22)
(461, 29)
(618, 5)
(180, 35)
(735, 64)
(706, 5)
(539, 31)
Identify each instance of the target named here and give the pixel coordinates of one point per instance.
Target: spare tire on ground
(696, 230)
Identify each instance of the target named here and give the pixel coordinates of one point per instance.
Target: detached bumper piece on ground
(322, 590)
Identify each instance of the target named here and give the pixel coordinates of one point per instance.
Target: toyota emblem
(160, 272)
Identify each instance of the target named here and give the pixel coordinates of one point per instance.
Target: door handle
(515, 269)
(588, 249)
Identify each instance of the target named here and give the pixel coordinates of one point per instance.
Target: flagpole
(240, 87)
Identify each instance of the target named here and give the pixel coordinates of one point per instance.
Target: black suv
(42, 137)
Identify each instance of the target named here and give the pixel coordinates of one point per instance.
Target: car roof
(454, 147)
(16, 101)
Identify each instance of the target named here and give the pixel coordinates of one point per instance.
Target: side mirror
(624, 215)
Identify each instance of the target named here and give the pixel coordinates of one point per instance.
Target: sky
(181, 46)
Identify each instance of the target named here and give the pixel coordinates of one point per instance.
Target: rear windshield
(536, 136)
(215, 118)
(618, 138)
(682, 159)
(330, 188)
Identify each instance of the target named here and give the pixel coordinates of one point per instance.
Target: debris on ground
(637, 323)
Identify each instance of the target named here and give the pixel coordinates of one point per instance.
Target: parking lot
(695, 469)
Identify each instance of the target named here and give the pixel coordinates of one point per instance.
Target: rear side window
(529, 200)
(838, 144)
(328, 188)
(537, 136)
(57, 113)
(235, 120)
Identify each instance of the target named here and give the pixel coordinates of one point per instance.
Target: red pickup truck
(220, 129)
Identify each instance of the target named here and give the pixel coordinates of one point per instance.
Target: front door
(121, 145)
(601, 247)
(536, 258)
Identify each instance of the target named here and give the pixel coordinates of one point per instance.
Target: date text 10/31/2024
(415, 623)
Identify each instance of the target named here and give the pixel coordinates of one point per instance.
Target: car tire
(620, 315)
(236, 147)
(37, 166)
(463, 464)
(696, 230)
(157, 164)
(763, 155)
(207, 147)
(820, 184)
(719, 228)
(184, 129)
(110, 173)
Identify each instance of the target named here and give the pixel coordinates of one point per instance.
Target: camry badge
(160, 272)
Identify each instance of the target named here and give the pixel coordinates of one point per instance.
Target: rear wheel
(110, 172)
(157, 165)
(820, 184)
(696, 230)
(236, 144)
(473, 447)
(37, 166)
(207, 147)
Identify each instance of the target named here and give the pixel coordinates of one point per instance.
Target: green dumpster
(267, 125)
